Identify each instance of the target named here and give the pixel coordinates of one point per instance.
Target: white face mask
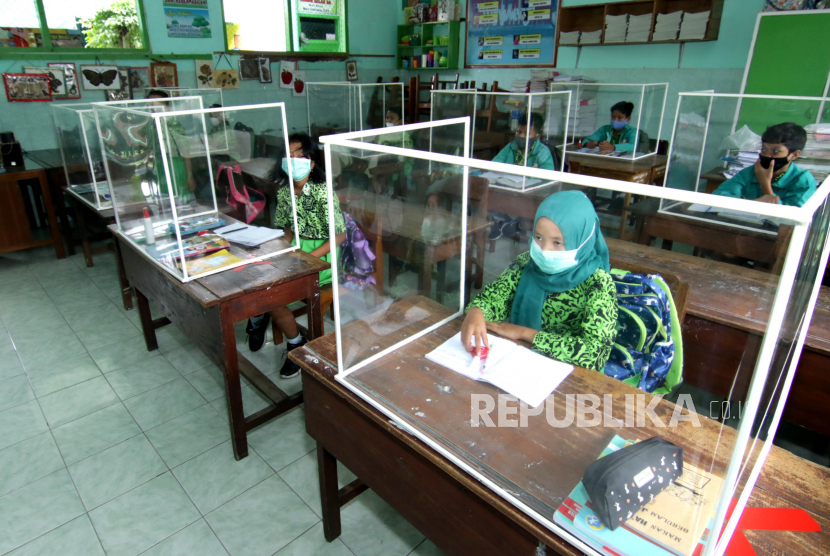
(300, 168)
(555, 262)
(390, 124)
(215, 122)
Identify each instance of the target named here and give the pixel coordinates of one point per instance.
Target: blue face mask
(554, 262)
(300, 168)
(618, 125)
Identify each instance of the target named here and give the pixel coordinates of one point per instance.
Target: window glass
(108, 23)
(255, 25)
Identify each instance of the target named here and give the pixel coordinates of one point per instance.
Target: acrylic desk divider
(211, 96)
(190, 168)
(591, 106)
(81, 154)
(344, 107)
(393, 311)
(508, 125)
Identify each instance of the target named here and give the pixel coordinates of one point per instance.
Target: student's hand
(764, 177)
(512, 331)
(590, 144)
(474, 330)
(773, 199)
(606, 146)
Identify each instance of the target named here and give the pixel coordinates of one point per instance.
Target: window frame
(48, 50)
(290, 16)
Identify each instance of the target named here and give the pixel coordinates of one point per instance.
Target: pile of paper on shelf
(590, 37)
(615, 28)
(694, 25)
(639, 27)
(667, 26)
(569, 37)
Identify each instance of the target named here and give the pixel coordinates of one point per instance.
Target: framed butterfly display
(70, 73)
(126, 90)
(100, 78)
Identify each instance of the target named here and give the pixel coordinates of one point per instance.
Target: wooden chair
(445, 84)
(491, 114)
(424, 107)
(679, 288)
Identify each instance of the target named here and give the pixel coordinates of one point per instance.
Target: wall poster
(511, 33)
(187, 19)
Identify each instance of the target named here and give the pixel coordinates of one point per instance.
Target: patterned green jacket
(578, 326)
(312, 211)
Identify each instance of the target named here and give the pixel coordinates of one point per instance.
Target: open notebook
(515, 369)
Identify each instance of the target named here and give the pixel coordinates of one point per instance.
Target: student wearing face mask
(540, 155)
(310, 196)
(774, 178)
(618, 135)
(559, 296)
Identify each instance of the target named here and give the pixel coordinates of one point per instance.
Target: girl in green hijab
(559, 296)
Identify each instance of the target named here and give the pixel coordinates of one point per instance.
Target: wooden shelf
(429, 31)
(591, 17)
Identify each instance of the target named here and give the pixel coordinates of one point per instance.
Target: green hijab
(573, 212)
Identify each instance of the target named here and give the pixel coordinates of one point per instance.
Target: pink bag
(251, 199)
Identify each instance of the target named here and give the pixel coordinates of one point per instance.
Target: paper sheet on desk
(513, 368)
(250, 236)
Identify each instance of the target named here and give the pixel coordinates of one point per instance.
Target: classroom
(414, 277)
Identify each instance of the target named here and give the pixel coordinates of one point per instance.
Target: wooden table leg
(126, 290)
(146, 321)
(624, 216)
(79, 220)
(59, 202)
(329, 495)
(233, 386)
(50, 215)
(315, 312)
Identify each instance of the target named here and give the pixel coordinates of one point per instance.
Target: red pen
(483, 351)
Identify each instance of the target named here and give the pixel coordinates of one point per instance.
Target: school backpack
(648, 350)
(356, 257)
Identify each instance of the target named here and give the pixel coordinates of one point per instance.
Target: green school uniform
(312, 219)
(578, 325)
(540, 156)
(623, 140)
(793, 187)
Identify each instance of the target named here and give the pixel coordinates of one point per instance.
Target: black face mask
(780, 162)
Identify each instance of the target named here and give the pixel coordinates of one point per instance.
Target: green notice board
(791, 57)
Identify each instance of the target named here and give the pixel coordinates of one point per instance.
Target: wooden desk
(457, 512)
(726, 315)
(717, 233)
(52, 162)
(648, 170)
(714, 178)
(15, 226)
(206, 309)
(401, 224)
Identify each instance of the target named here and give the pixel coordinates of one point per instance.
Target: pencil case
(621, 483)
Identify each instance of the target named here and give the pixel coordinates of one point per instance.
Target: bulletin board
(510, 33)
(780, 64)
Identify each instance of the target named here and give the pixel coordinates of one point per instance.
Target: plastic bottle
(149, 233)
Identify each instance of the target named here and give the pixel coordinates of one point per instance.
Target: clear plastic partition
(81, 154)
(716, 136)
(190, 184)
(508, 126)
(344, 107)
(615, 119)
(211, 97)
(436, 252)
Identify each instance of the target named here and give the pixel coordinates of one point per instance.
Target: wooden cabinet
(591, 17)
(15, 221)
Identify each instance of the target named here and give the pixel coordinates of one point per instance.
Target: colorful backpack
(355, 258)
(648, 350)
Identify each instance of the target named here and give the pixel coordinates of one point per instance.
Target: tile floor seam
(271, 476)
(300, 535)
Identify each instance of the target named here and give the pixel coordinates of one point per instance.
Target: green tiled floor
(108, 449)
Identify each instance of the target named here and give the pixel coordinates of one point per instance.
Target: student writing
(559, 296)
(618, 135)
(309, 190)
(774, 178)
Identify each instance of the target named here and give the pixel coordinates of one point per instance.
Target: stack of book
(676, 523)
(639, 27)
(694, 26)
(519, 86)
(738, 160)
(590, 37)
(667, 26)
(569, 37)
(615, 28)
(584, 112)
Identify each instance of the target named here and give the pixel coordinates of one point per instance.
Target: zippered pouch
(621, 483)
